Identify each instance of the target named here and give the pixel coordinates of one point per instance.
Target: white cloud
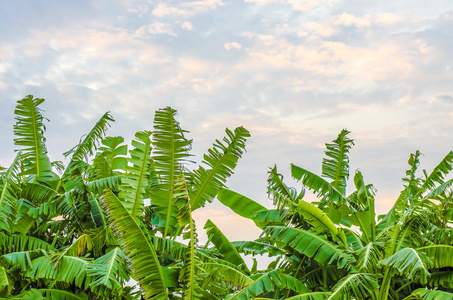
(202, 5)
(187, 26)
(300, 5)
(233, 45)
(305, 5)
(141, 10)
(323, 29)
(186, 9)
(387, 18)
(156, 28)
(263, 2)
(346, 19)
(162, 9)
(334, 24)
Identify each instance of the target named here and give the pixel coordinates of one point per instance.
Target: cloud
(186, 9)
(233, 45)
(298, 5)
(338, 25)
(387, 18)
(162, 9)
(263, 2)
(156, 28)
(346, 19)
(187, 26)
(324, 29)
(305, 5)
(354, 64)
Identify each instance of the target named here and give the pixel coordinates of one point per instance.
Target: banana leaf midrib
(35, 138)
(142, 174)
(172, 180)
(110, 267)
(335, 183)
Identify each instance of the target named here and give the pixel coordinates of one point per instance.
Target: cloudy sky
(293, 72)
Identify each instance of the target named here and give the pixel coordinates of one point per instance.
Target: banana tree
(391, 256)
(55, 240)
(157, 171)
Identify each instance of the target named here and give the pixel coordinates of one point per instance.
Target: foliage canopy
(116, 223)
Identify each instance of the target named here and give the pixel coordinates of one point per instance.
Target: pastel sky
(293, 72)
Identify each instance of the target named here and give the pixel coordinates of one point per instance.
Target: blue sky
(293, 72)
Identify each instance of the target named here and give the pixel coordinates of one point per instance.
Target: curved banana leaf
(241, 205)
(257, 248)
(101, 167)
(441, 279)
(177, 250)
(410, 235)
(410, 263)
(78, 247)
(53, 294)
(21, 260)
(336, 166)
(407, 195)
(439, 192)
(99, 185)
(37, 193)
(282, 195)
(353, 239)
(8, 194)
(364, 220)
(109, 272)
(270, 217)
(317, 184)
(354, 286)
(69, 269)
(18, 242)
(368, 258)
(221, 160)
(320, 221)
(103, 238)
(29, 131)
(365, 193)
(135, 181)
(269, 282)
(439, 172)
(74, 175)
(312, 245)
(413, 184)
(97, 213)
(222, 272)
(429, 295)
(89, 144)
(317, 275)
(46, 210)
(174, 249)
(114, 152)
(141, 253)
(6, 284)
(224, 246)
(441, 256)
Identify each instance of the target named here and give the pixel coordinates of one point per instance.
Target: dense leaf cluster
(116, 223)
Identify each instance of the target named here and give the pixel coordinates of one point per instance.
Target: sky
(292, 72)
